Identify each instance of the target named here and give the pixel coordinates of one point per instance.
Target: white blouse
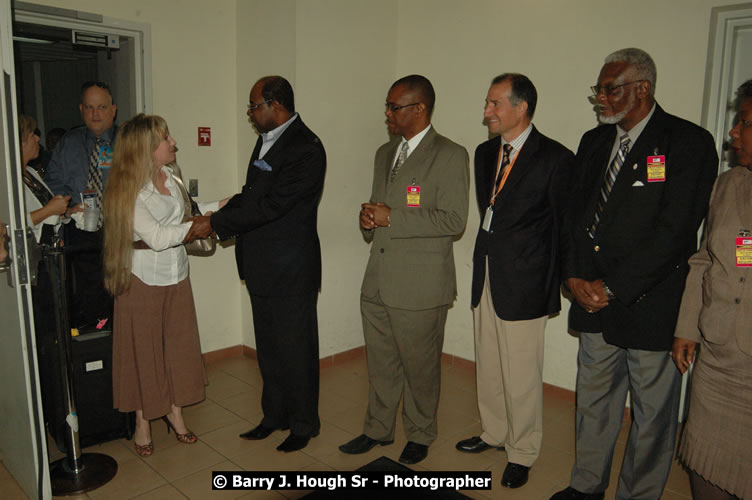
(157, 220)
(32, 203)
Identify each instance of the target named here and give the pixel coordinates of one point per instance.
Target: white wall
(346, 62)
(341, 56)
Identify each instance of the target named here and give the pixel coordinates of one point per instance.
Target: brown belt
(140, 245)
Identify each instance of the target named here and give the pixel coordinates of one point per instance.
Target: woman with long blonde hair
(157, 364)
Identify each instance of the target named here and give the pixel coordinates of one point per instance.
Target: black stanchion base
(95, 470)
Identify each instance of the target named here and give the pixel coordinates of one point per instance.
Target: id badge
(413, 196)
(486, 226)
(743, 251)
(89, 198)
(657, 168)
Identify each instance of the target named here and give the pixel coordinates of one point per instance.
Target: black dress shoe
(572, 494)
(259, 432)
(515, 475)
(413, 453)
(295, 442)
(475, 445)
(361, 444)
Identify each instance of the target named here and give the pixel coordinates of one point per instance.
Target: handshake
(201, 228)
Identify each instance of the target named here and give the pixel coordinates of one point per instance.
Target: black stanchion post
(77, 472)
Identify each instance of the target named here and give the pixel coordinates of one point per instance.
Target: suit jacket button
(381, 250)
(597, 248)
(737, 300)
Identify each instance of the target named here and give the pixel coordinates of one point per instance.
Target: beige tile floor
(232, 406)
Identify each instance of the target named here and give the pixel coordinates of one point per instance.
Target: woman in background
(157, 363)
(716, 312)
(44, 208)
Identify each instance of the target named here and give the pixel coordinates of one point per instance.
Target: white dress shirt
(411, 144)
(269, 138)
(157, 220)
(633, 133)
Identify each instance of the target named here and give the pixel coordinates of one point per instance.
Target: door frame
(22, 441)
(719, 89)
(27, 12)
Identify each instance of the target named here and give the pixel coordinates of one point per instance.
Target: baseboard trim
(236, 351)
(360, 352)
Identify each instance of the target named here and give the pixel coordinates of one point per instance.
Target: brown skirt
(156, 353)
(717, 440)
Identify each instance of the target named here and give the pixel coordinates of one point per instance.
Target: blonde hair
(26, 126)
(132, 168)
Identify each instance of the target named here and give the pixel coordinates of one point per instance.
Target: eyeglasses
(610, 90)
(253, 107)
(394, 108)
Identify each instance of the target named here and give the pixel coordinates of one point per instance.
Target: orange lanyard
(496, 192)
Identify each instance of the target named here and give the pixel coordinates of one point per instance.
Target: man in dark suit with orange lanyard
(279, 257)
(641, 188)
(521, 179)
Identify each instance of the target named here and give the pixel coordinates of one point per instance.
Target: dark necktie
(608, 181)
(95, 178)
(507, 150)
(400, 160)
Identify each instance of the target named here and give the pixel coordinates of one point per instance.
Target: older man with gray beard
(641, 187)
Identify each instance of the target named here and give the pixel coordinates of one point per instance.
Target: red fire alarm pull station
(204, 136)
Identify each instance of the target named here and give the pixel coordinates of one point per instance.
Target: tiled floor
(233, 406)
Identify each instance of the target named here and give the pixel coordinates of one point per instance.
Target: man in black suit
(279, 257)
(521, 179)
(641, 187)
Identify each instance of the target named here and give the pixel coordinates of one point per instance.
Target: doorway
(33, 85)
(56, 50)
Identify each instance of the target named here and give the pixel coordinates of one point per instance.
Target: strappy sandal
(144, 450)
(187, 438)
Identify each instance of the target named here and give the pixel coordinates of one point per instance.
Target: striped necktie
(507, 148)
(608, 181)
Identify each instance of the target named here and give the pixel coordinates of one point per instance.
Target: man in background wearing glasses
(418, 207)
(79, 168)
(641, 187)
